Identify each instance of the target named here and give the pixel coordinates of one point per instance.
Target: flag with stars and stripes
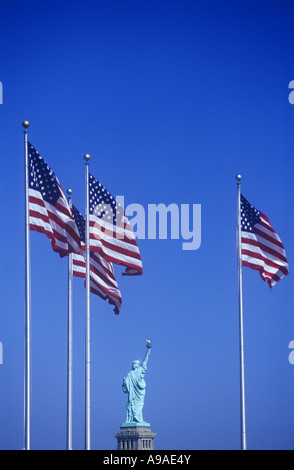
(111, 234)
(262, 248)
(49, 212)
(102, 279)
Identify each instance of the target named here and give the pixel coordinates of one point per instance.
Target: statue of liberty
(134, 385)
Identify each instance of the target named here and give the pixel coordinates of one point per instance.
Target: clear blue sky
(171, 99)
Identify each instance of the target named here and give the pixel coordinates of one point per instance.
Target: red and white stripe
(102, 280)
(263, 250)
(55, 221)
(117, 244)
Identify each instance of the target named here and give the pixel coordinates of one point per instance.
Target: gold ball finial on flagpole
(239, 177)
(25, 124)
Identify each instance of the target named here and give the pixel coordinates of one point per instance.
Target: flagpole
(88, 362)
(241, 329)
(27, 365)
(69, 345)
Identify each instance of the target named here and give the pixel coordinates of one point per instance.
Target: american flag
(49, 212)
(262, 248)
(110, 231)
(102, 279)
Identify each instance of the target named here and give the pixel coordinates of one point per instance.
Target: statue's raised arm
(148, 352)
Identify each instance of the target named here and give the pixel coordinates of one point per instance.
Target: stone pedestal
(133, 437)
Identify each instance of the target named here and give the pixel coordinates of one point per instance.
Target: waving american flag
(262, 248)
(49, 212)
(102, 279)
(110, 231)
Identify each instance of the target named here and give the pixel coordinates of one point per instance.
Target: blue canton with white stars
(249, 215)
(41, 177)
(102, 204)
(80, 223)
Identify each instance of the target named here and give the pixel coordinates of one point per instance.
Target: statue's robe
(134, 385)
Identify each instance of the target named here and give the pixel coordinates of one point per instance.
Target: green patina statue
(134, 385)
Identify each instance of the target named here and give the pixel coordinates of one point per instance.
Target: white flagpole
(241, 330)
(27, 365)
(69, 346)
(88, 351)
